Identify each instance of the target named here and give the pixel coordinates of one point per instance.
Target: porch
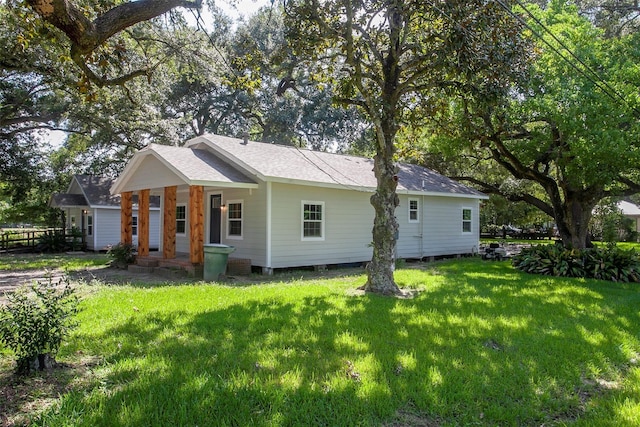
(181, 266)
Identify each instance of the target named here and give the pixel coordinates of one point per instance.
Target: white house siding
(410, 234)
(253, 244)
(442, 224)
(348, 218)
(148, 176)
(106, 229)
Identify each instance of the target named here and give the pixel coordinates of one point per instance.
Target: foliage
(610, 225)
(572, 136)
(53, 241)
(608, 263)
(498, 211)
(35, 321)
(122, 254)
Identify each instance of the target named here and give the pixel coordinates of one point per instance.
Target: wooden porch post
(126, 218)
(143, 222)
(169, 226)
(196, 224)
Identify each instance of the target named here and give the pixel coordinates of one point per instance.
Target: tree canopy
(566, 129)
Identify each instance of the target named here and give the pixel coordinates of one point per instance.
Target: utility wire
(598, 81)
(586, 66)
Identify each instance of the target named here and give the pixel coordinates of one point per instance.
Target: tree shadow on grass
(480, 344)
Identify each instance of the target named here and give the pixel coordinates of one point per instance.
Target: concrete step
(147, 262)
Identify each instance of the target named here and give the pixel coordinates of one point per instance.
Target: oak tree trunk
(385, 228)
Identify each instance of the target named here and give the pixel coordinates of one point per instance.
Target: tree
(87, 36)
(573, 134)
(388, 57)
(242, 90)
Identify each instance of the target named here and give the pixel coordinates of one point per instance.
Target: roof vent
(245, 138)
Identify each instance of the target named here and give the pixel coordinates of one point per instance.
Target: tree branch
(86, 35)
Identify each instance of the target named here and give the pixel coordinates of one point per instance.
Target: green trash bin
(215, 260)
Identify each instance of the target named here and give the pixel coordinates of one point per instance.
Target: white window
(312, 220)
(414, 214)
(181, 219)
(234, 219)
(466, 220)
(89, 225)
(134, 226)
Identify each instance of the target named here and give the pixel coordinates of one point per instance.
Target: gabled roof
(189, 165)
(66, 200)
(629, 208)
(198, 165)
(280, 163)
(93, 192)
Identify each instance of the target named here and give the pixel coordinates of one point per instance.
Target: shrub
(52, 241)
(122, 254)
(610, 263)
(36, 320)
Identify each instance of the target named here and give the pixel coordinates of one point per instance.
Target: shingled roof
(291, 164)
(94, 193)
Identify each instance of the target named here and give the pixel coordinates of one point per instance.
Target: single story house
(89, 207)
(283, 206)
(631, 211)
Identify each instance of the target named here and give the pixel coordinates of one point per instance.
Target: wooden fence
(17, 239)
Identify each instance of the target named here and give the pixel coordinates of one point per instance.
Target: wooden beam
(169, 226)
(143, 222)
(126, 217)
(196, 224)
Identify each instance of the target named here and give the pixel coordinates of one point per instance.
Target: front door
(215, 220)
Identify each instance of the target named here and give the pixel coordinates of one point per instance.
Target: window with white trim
(234, 219)
(134, 225)
(312, 220)
(181, 219)
(414, 213)
(89, 225)
(466, 220)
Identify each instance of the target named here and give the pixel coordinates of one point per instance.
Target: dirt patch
(23, 397)
(9, 281)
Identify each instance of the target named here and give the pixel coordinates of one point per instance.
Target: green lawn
(480, 344)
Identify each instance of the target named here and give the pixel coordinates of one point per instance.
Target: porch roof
(191, 166)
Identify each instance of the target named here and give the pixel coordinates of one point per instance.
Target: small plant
(122, 254)
(36, 320)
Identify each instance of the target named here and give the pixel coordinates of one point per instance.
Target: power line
(600, 83)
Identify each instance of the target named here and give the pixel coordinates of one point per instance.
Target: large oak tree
(570, 129)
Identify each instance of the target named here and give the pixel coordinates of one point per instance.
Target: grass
(480, 344)
(14, 262)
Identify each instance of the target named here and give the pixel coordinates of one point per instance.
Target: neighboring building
(631, 211)
(281, 206)
(89, 207)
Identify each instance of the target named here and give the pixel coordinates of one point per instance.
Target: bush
(122, 254)
(52, 241)
(36, 320)
(610, 263)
